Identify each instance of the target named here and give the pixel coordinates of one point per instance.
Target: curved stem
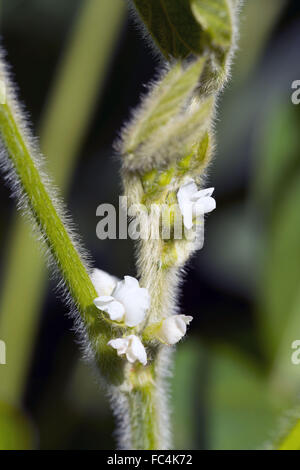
(57, 238)
(20, 163)
(68, 111)
(147, 404)
(143, 417)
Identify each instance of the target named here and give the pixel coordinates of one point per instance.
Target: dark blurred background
(233, 375)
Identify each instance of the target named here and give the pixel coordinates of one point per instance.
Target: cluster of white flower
(127, 303)
(193, 204)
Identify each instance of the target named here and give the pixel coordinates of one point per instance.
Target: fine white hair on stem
(13, 180)
(119, 399)
(169, 141)
(25, 207)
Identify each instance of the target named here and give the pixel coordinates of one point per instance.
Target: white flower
(126, 302)
(174, 328)
(193, 203)
(132, 347)
(103, 282)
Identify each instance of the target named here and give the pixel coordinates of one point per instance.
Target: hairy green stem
(143, 417)
(68, 112)
(146, 395)
(30, 186)
(45, 214)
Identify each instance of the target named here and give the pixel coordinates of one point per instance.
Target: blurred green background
(81, 67)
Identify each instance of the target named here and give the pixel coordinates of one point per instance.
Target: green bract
(183, 27)
(164, 102)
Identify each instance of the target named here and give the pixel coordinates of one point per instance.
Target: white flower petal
(204, 206)
(184, 196)
(174, 328)
(103, 282)
(122, 300)
(136, 300)
(194, 203)
(131, 282)
(120, 344)
(136, 350)
(209, 204)
(115, 310)
(187, 213)
(186, 192)
(132, 347)
(103, 298)
(111, 306)
(202, 193)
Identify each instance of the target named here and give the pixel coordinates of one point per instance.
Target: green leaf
(241, 411)
(277, 189)
(221, 400)
(163, 103)
(278, 151)
(280, 303)
(214, 17)
(183, 27)
(175, 140)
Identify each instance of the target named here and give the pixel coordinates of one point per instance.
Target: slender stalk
(32, 190)
(57, 238)
(68, 112)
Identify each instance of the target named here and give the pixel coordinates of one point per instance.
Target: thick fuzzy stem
(168, 142)
(141, 405)
(144, 413)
